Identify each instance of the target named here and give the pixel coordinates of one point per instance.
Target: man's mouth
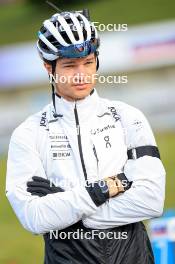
(80, 85)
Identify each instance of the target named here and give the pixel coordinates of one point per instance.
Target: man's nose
(80, 69)
(80, 73)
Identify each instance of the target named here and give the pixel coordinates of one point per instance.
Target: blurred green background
(19, 22)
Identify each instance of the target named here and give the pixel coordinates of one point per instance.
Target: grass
(166, 143)
(20, 21)
(19, 246)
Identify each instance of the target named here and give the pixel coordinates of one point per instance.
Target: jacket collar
(86, 108)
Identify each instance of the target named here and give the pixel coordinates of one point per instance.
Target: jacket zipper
(79, 142)
(95, 154)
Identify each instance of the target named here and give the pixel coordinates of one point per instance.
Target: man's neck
(69, 98)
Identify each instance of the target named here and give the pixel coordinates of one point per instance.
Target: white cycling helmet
(67, 35)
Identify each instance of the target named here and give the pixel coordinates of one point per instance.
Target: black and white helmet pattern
(61, 31)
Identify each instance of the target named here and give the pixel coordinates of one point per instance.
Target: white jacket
(51, 148)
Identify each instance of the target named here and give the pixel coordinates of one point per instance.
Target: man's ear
(48, 67)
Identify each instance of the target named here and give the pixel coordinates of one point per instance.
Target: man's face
(74, 77)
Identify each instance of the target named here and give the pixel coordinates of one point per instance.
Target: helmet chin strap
(97, 63)
(53, 90)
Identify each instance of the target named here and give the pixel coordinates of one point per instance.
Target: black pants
(127, 244)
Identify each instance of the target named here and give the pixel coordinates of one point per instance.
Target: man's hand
(41, 187)
(115, 186)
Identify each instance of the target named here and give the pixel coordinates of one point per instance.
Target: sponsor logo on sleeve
(114, 113)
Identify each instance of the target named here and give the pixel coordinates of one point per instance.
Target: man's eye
(89, 62)
(69, 66)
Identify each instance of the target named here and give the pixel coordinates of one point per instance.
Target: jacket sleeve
(40, 214)
(145, 199)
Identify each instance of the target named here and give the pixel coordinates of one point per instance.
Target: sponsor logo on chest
(60, 146)
(96, 131)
